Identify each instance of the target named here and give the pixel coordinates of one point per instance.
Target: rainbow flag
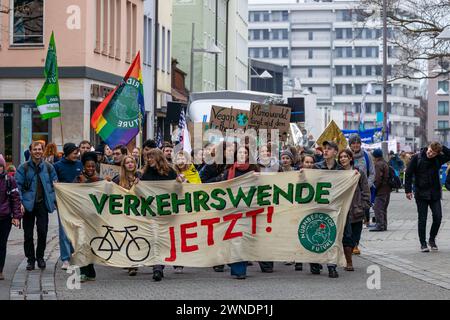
(118, 119)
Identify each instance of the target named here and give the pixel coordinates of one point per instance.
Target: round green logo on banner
(317, 232)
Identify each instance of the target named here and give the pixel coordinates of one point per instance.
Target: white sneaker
(65, 265)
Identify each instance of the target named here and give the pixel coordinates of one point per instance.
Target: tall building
(221, 24)
(438, 103)
(327, 46)
(96, 42)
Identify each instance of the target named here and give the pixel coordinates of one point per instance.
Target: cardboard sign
(228, 118)
(108, 170)
(270, 117)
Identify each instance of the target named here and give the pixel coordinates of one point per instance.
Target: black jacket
(151, 174)
(424, 173)
(447, 182)
(211, 173)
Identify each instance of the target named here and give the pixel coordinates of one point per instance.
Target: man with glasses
(119, 152)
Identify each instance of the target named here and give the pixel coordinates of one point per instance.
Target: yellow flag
(333, 133)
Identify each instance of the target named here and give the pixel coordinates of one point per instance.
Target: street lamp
(213, 49)
(265, 75)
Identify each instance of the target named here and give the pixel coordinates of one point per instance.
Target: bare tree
(416, 25)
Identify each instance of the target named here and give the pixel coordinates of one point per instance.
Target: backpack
(393, 180)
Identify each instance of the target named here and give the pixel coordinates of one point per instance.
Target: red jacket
(9, 204)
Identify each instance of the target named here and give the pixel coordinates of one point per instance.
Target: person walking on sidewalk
(129, 176)
(88, 175)
(158, 169)
(35, 180)
(10, 210)
(383, 191)
(330, 151)
(67, 169)
(360, 202)
(424, 169)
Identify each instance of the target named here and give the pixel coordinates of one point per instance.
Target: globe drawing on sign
(317, 232)
(127, 107)
(242, 119)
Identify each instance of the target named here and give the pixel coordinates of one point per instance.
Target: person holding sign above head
(356, 214)
(330, 151)
(240, 167)
(89, 175)
(129, 176)
(157, 169)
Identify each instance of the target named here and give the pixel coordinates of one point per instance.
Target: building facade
(269, 85)
(334, 54)
(438, 103)
(96, 42)
(222, 23)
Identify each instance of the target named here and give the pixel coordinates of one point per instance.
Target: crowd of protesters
(27, 194)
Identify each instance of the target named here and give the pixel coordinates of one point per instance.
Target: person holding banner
(158, 169)
(267, 162)
(88, 175)
(129, 176)
(330, 151)
(211, 170)
(185, 169)
(287, 161)
(240, 167)
(360, 202)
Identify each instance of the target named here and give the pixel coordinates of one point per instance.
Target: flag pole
(60, 121)
(140, 140)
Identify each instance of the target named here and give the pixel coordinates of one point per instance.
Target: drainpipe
(226, 44)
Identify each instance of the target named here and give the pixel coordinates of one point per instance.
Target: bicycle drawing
(137, 249)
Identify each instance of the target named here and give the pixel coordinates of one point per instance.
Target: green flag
(48, 101)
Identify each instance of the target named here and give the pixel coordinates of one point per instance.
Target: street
(405, 273)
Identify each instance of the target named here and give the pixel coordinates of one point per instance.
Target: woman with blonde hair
(51, 153)
(128, 177)
(185, 168)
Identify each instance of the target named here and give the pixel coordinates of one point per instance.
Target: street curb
(37, 284)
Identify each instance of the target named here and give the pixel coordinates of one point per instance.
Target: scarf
(238, 166)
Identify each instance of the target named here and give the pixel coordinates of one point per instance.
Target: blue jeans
(65, 247)
(239, 268)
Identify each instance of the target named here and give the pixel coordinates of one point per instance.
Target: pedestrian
(363, 161)
(424, 170)
(287, 161)
(146, 147)
(11, 171)
(318, 154)
(396, 163)
(360, 202)
(27, 153)
(197, 155)
(67, 169)
(136, 154)
(330, 151)
(35, 180)
(51, 153)
(158, 169)
(383, 191)
(167, 149)
(119, 152)
(266, 161)
(11, 210)
(108, 154)
(88, 175)
(129, 176)
(101, 158)
(212, 170)
(84, 146)
(241, 166)
(185, 169)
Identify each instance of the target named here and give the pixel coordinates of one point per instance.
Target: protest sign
(108, 170)
(333, 133)
(290, 216)
(222, 118)
(270, 117)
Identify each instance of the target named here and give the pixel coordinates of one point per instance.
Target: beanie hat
(378, 153)
(69, 148)
(288, 153)
(354, 138)
(2, 162)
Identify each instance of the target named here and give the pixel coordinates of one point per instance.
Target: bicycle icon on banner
(137, 249)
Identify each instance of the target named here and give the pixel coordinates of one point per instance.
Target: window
(28, 22)
(346, 15)
(310, 35)
(310, 73)
(285, 15)
(348, 89)
(369, 52)
(358, 70)
(358, 88)
(359, 52)
(368, 34)
(348, 70)
(442, 124)
(169, 58)
(266, 34)
(276, 16)
(256, 34)
(443, 108)
(310, 53)
(359, 33)
(285, 52)
(368, 108)
(275, 53)
(255, 16)
(339, 89)
(163, 49)
(368, 70)
(349, 33)
(443, 85)
(339, 71)
(348, 51)
(285, 34)
(265, 52)
(379, 33)
(377, 107)
(378, 70)
(266, 16)
(339, 34)
(148, 41)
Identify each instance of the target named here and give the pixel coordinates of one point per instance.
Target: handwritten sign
(228, 118)
(270, 117)
(108, 170)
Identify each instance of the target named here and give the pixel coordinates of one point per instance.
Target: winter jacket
(238, 173)
(359, 162)
(396, 163)
(9, 203)
(47, 175)
(211, 173)
(424, 173)
(151, 174)
(361, 199)
(67, 170)
(382, 177)
(323, 166)
(272, 166)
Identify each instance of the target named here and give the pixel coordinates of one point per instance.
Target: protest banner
(290, 216)
(333, 133)
(270, 117)
(222, 118)
(108, 170)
